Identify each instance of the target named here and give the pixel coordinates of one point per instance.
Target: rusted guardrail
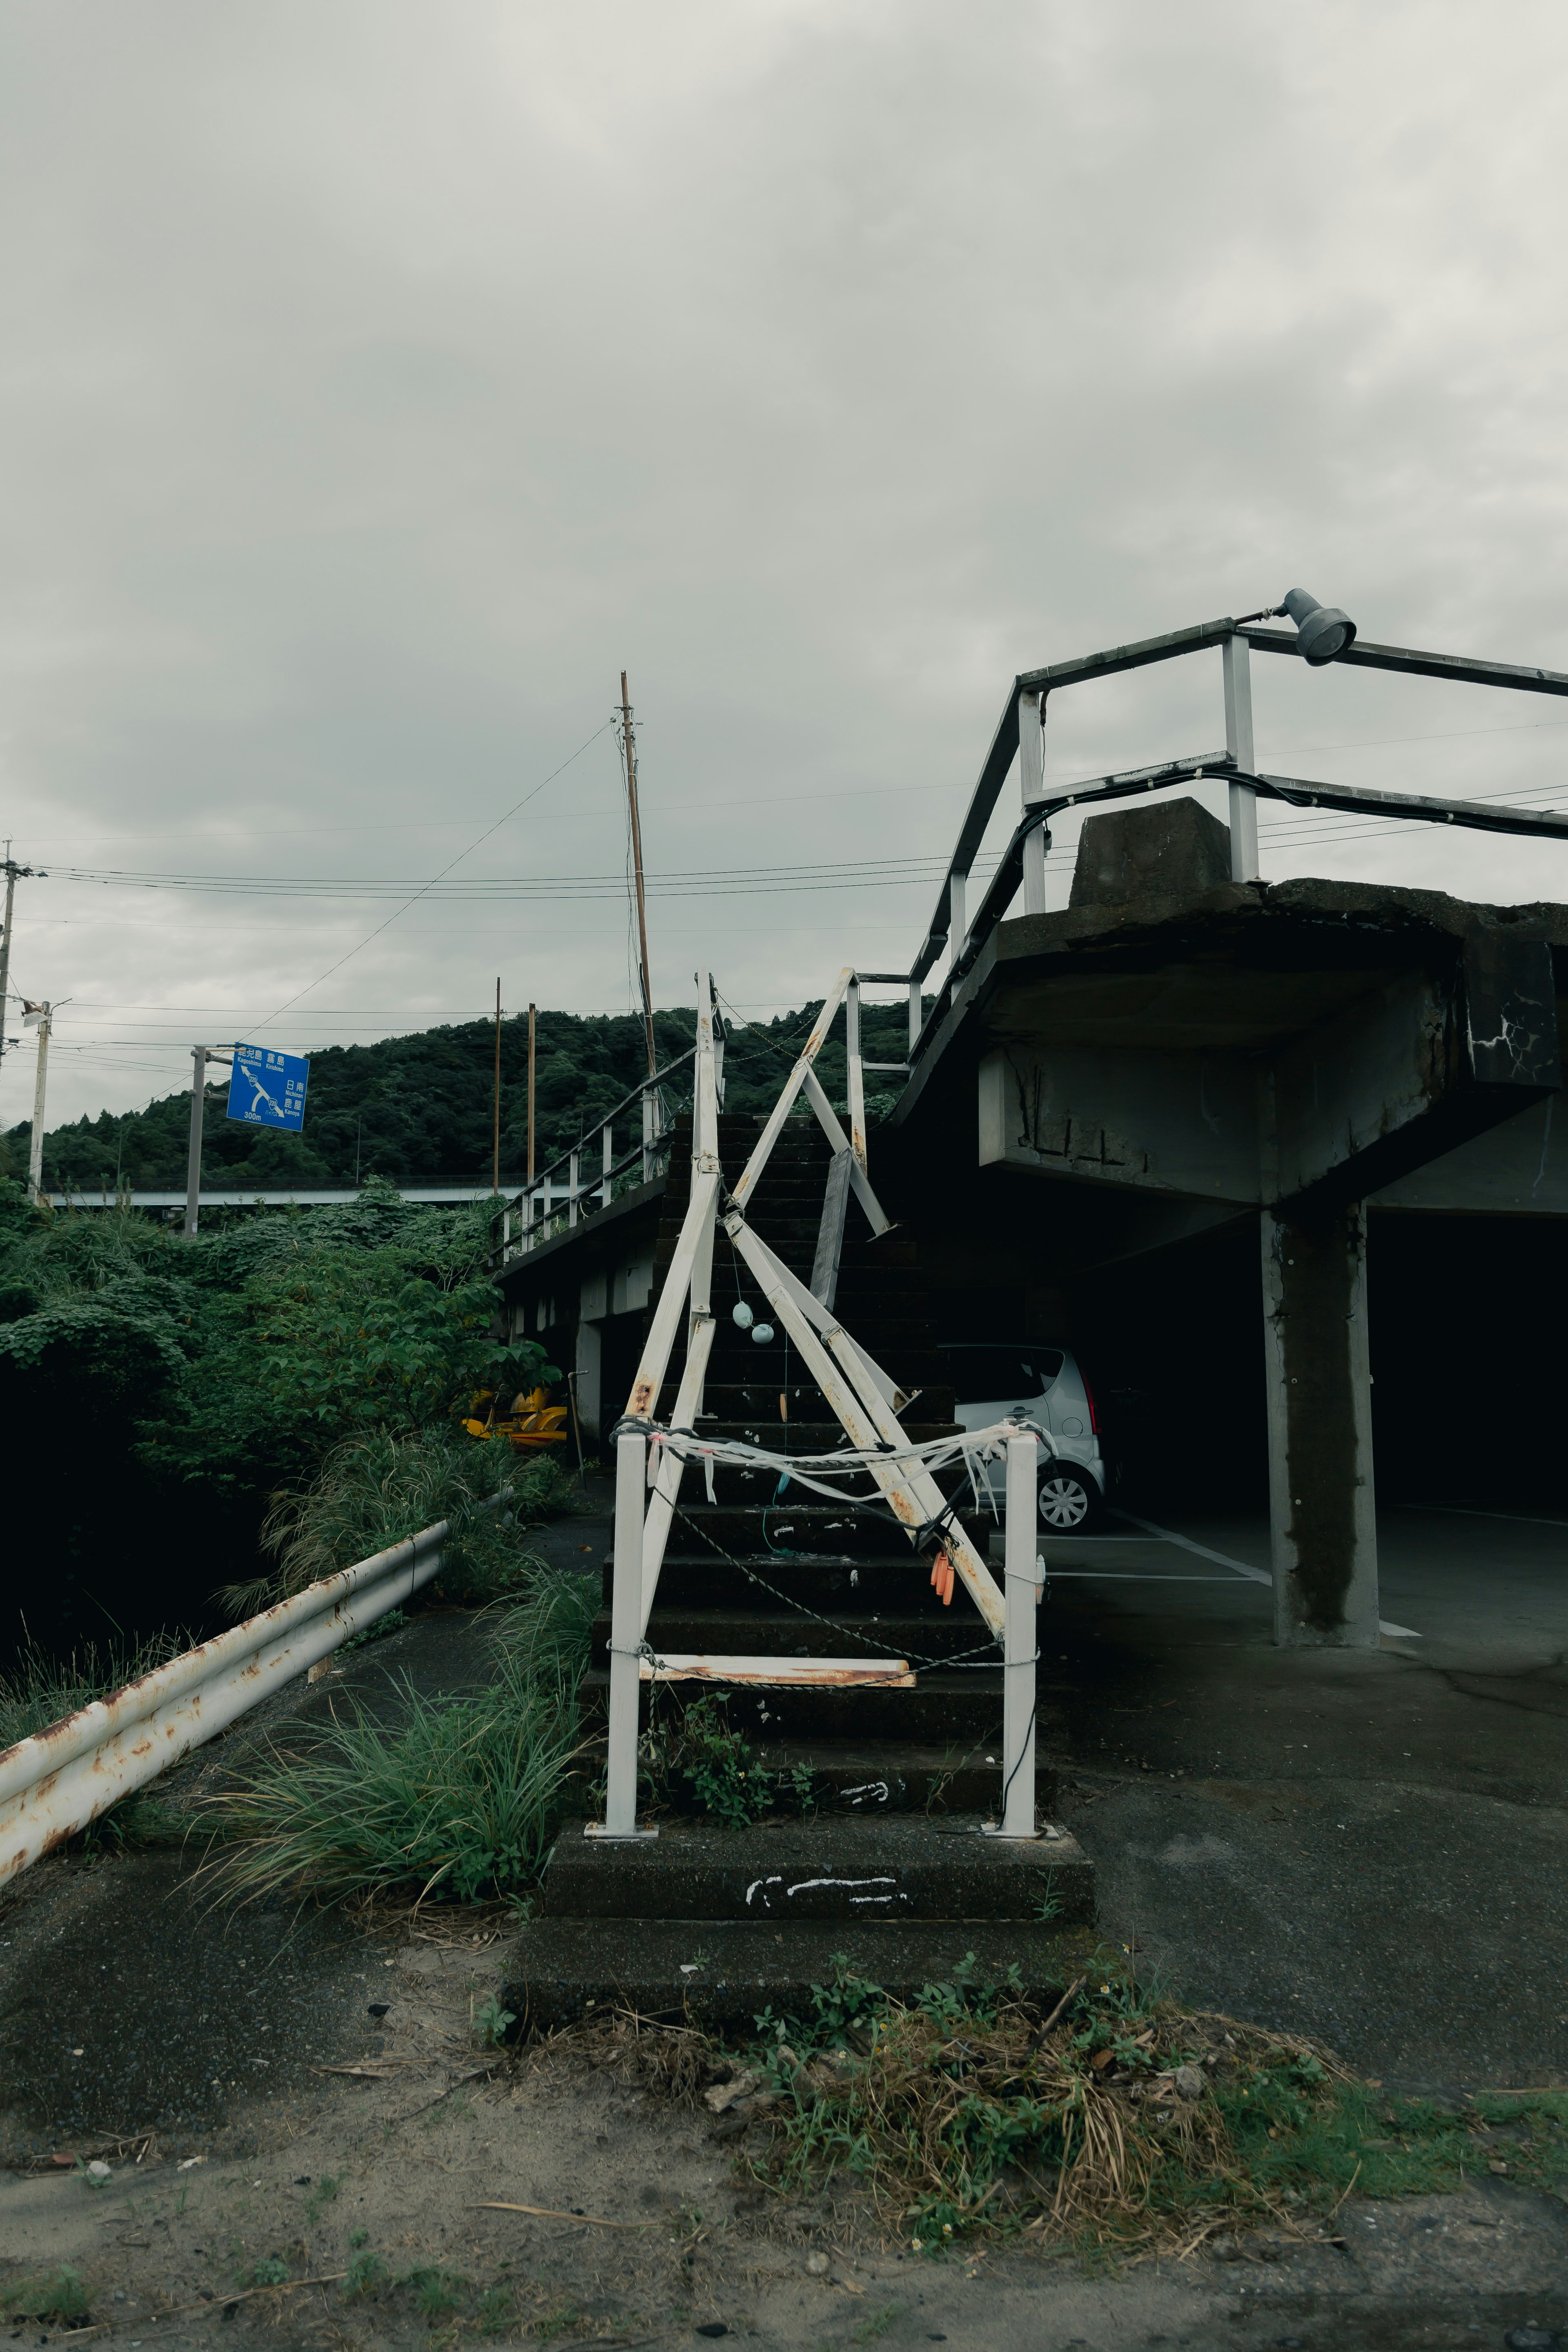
(53, 1784)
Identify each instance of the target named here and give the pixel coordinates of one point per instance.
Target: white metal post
(607, 1162)
(1237, 657)
(625, 1634)
(857, 1086)
(35, 1149)
(1032, 786)
(1020, 1646)
(955, 922)
(647, 1133)
(917, 1014)
(572, 1172)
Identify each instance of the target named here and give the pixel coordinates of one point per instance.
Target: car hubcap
(1063, 1503)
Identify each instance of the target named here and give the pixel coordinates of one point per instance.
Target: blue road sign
(268, 1088)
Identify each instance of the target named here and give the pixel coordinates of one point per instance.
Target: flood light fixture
(1323, 630)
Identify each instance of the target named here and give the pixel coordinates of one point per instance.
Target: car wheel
(1067, 1501)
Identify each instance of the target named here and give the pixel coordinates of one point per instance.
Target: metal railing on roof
(1019, 737)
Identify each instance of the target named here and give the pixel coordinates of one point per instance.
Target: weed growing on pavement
(490, 2022)
(1116, 2123)
(457, 1799)
(322, 2195)
(59, 2295)
(269, 2272)
(366, 2272)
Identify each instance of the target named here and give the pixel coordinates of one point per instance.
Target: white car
(992, 1379)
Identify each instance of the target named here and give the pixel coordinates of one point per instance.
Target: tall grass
(456, 1799)
(39, 1690)
(377, 1488)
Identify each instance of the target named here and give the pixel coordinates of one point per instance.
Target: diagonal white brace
(754, 1166)
(912, 1494)
(812, 1086)
(823, 1319)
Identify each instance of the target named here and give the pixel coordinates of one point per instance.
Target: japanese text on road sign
(268, 1088)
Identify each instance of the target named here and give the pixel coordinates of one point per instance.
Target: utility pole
(629, 746)
(193, 1157)
(35, 1151)
(531, 1036)
(495, 1136)
(14, 873)
(200, 1056)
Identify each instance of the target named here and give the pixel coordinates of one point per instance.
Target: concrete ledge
(902, 1867)
(719, 1973)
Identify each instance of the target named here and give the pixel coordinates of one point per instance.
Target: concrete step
(948, 1706)
(835, 1866)
(723, 1974)
(838, 1534)
(771, 1633)
(843, 1588)
(854, 1777)
(753, 1490)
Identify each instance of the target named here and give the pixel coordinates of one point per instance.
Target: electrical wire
(430, 885)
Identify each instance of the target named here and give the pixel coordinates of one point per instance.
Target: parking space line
(1472, 1511)
(1168, 1535)
(1257, 1575)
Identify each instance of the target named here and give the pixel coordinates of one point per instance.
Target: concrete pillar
(1322, 1528)
(587, 1360)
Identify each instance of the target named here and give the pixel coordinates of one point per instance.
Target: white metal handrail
(539, 1198)
(56, 1782)
(859, 1392)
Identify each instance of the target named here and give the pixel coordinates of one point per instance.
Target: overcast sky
(379, 380)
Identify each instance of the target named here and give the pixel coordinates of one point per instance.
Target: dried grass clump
(1107, 2129)
(1116, 2121)
(676, 2061)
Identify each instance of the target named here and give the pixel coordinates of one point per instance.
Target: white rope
(971, 1446)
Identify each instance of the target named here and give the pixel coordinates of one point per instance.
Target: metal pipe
(1032, 783)
(855, 1090)
(54, 1783)
(1020, 1646)
(1239, 745)
(625, 1636)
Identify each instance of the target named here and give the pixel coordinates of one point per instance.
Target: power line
(445, 871)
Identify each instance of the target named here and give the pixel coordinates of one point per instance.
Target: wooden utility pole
(630, 747)
(531, 1037)
(495, 1106)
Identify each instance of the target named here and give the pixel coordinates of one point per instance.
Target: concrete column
(588, 1356)
(1322, 1528)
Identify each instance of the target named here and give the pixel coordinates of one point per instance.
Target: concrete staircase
(872, 1839)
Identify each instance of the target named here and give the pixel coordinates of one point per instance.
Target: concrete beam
(1320, 1500)
(1402, 1077)
(1517, 1170)
(1154, 1121)
(1407, 1071)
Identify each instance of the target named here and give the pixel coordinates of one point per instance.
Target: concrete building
(1195, 1100)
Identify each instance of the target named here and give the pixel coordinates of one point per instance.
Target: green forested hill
(418, 1107)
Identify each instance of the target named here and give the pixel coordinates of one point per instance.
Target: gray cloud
(381, 379)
